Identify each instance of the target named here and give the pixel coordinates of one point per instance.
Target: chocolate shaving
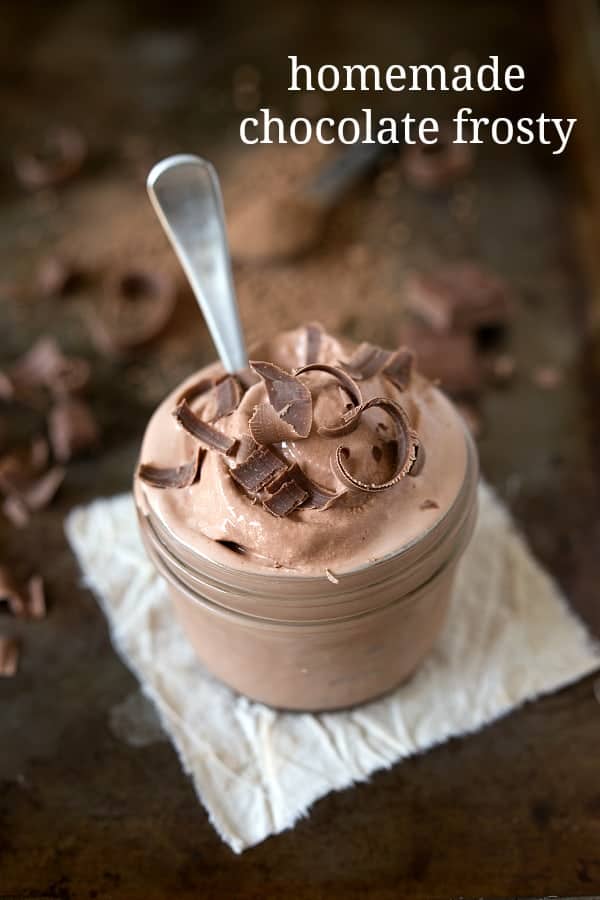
(260, 468)
(429, 504)
(11, 594)
(290, 398)
(351, 389)
(173, 476)
(245, 447)
(286, 499)
(399, 368)
(41, 491)
(314, 333)
(9, 656)
(406, 440)
(227, 394)
(72, 428)
(45, 365)
(59, 158)
(366, 361)
(137, 307)
(212, 438)
(196, 389)
(267, 427)
(318, 497)
(36, 602)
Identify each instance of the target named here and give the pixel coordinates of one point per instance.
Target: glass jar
(303, 642)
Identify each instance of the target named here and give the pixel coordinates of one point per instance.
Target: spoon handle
(186, 197)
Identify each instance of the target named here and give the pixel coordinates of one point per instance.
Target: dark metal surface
(513, 810)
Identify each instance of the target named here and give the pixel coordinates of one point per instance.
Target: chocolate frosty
(323, 457)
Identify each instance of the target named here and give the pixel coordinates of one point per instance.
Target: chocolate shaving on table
(286, 499)
(210, 437)
(398, 368)
(9, 656)
(349, 387)
(11, 594)
(41, 491)
(44, 364)
(59, 157)
(290, 398)
(226, 395)
(137, 307)
(366, 361)
(314, 333)
(173, 476)
(36, 599)
(260, 468)
(407, 443)
(72, 428)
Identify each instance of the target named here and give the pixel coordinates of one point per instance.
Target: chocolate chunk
(429, 504)
(314, 334)
(459, 296)
(257, 470)
(450, 359)
(210, 437)
(399, 366)
(433, 166)
(45, 365)
(227, 394)
(36, 601)
(366, 361)
(349, 387)
(290, 398)
(72, 428)
(9, 656)
(406, 441)
(173, 476)
(286, 499)
(137, 307)
(11, 594)
(59, 158)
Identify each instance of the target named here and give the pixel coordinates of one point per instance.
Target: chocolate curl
(406, 440)
(286, 499)
(9, 656)
(290, 398)
(59, 158)
(266, 426)
(367, 361)
(348, 423)
(258, 470)
(196, 389)
(226, 395)
(314, 334)
(173, 476)
(210, 437)
(318, 497)
(399, 368)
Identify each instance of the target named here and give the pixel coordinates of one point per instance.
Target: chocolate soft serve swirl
(358, 427)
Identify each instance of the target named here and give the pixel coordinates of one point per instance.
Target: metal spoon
(186, 197)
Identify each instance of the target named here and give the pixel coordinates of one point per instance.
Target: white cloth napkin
(509, 637)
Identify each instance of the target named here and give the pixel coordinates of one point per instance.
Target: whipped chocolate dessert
(322, 457)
